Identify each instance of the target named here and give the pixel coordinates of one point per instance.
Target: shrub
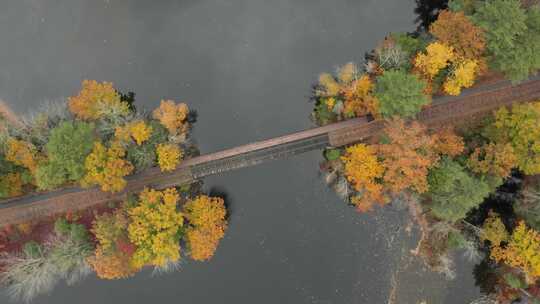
(28, 274)
(400, 94)
(37, 269)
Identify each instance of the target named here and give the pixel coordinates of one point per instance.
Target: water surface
(247, 67)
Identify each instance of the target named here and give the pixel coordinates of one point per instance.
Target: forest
(450, 178)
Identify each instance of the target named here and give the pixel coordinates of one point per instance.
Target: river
(246, 66)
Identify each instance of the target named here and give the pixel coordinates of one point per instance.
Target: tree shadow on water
(427, 11)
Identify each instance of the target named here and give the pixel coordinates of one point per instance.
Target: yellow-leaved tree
(362, 169)
(23, 154)
(522, 251)
(168, 156)
(154, 228)
(437, 57)
(206, 218)
(106, 167)
(462, 75)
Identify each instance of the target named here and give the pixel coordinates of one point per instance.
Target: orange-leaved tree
(96, 100)
(495, 159)
(349, 87)
(458, 31)
(448, 143)
(207, 224)
(172, 116)
(111, 260)
(407, 156)
(362, 170)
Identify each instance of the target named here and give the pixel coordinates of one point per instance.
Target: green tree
(68, 146)
(453, 192)
(513, 36)
(400, 93)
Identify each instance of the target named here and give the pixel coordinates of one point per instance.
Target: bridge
(471, 104)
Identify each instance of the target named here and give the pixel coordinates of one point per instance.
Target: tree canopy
(400, 93)
(453, 191)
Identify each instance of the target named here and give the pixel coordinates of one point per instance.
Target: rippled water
(247, 67)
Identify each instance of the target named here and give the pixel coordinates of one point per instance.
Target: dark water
(247, 67)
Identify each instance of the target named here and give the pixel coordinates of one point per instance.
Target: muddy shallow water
(246, 67)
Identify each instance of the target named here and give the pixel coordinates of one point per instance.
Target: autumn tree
(519, 128)
(522, 251)
(400, 93)
(437, 57)
(13, 177)
(362, 170)
(458, 31)
(172, 116)
(110, 260)
(11, 184)
(96, 100)
(206, 218)
(144, 156)
(22, 153)
(407, 156)
(106, 167)
(68, 146)
(462, 75)
(111, 266)
(448, 143)
(169, 156)
(495, 159)
(453, 192)
(139, 131)
(346, 95)
(154, 228)
(493, 230)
